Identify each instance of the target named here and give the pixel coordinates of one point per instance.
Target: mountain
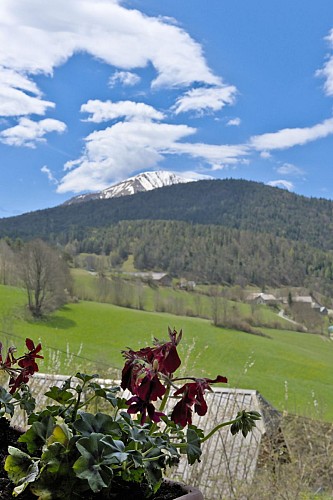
(237, 204)
(146, 181)
(215, 231)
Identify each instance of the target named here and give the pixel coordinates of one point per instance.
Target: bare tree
(45, 276)
(6, 263)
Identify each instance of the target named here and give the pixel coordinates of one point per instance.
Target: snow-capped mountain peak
(146, 181)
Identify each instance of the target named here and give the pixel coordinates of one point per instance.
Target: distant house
(304, 299)
(307, 299)
(162, 279)
(262, 298)
(184, 284)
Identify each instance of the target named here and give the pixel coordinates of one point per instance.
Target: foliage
(301, 360)
(19, 370)
(290, 236)
(71, 450)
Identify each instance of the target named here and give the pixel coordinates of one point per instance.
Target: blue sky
(95, 91)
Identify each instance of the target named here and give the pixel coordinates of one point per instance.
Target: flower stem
(219, 426)
(162, 406)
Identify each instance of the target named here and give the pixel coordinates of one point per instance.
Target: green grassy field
(177, 301)
(292, 370)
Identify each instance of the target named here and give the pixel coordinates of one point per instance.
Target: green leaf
(42, 492)
(60, 434)
(99, 453)
(93, 475)
(153, 474)
(88, 423)
(114, 451)
(136, 457)
(138, 435)
(110, 394)
(5, 405)
(245, 423)
(62, 396)
(37, 435)
(53, 458)
(193, 448)
(85, 378)
(21, 468)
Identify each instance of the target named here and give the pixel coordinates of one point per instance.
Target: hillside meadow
(87, 286)
(292, 370)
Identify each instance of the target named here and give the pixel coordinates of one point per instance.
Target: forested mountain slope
(231, 203)
(213, 254)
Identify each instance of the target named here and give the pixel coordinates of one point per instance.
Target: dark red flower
(192, 396)
(166, 353)
(27, 364)
(150, 388)
(138, 405)
(134, 369)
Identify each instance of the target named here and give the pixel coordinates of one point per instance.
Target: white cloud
(216, 155)
(289, 169)
(113, 154)
(195, 176)
(327, 70)
(45, 169)
(206, 99)
(102, 111)
(126, 78)
(289, 137)
(265, 155)
(234, 122)
(37, 36)
(282, 184)
(28, 133)
(15, 95)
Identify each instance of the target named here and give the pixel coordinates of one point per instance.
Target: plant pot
(190, 492)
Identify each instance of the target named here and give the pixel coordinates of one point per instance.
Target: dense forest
(238, 204)
(221, 231)
(211, 254)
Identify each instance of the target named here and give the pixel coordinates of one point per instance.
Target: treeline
(211, 254)
(237, 204)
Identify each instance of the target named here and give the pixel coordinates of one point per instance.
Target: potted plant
(69, 452)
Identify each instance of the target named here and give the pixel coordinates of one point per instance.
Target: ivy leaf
(110, 394)
(20, 468)
(88, 423)
(42, 492)
(60, 434)
(5, 405)
(137, 435)
(92, 464)
(245, 422)
(37, 435)
(53, 458)
(136, 458)
(193, 449)
(84, 377)
(62, 396)
(84, 470)
(115, 451)
(153, 473)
